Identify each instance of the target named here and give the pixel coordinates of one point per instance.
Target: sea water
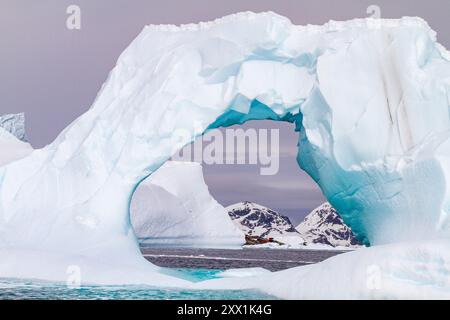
(193, 264)
(202, 258)
(43, 290)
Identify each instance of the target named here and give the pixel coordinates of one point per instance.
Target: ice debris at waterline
(369, 98)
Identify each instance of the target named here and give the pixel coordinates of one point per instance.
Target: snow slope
(174, 207)
(12, 149)
(324, 226)
(369, 98)
(14, 124)
(13, 145)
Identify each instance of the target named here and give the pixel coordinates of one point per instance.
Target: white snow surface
(174, 207)
(11, 148)
(374, 134)
(13, 145)
(243, 272)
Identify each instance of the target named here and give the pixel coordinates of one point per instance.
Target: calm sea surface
(270, 259)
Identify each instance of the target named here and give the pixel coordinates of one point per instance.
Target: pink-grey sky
(53, 74)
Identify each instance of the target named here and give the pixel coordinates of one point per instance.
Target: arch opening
(260, 156)
(256, 111)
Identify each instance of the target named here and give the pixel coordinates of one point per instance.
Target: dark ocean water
(270, 259)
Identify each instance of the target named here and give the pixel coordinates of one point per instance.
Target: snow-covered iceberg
(174, 207)
(14, 124)
(369, 98)
(13, 144)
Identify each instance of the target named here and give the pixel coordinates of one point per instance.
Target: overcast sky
(53, 74)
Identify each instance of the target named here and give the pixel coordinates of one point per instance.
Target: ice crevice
(70, 201)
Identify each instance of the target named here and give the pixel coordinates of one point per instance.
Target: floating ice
(243, 273)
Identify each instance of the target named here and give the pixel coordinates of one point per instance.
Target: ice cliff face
(174, 207)
(324, 225)
(14, 124)
(13, 145)
(369, 99)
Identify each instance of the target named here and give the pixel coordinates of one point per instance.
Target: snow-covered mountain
(322, 228)
(255, 219)
(324, 225)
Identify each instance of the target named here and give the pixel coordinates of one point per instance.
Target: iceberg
(369, 98)
(14, 124)
(174, 207)
(13, 144)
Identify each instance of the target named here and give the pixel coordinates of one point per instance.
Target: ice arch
(369, 99)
